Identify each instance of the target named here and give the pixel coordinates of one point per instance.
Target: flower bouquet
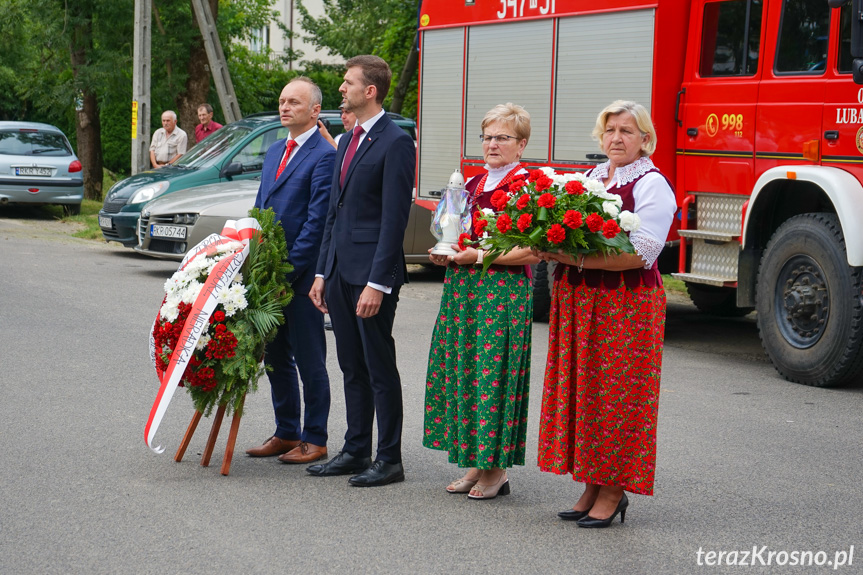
(221, 307)
(553, 212)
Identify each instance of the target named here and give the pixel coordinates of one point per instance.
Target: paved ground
(745, 458)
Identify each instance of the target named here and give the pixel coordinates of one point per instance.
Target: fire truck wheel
(716, 301)
(810, 314)
(542, 283)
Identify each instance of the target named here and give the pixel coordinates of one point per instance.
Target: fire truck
(758, 109)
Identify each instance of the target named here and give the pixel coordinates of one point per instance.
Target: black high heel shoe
(572, 514)
(588, 521)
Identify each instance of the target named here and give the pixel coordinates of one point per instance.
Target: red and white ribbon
(199, 316)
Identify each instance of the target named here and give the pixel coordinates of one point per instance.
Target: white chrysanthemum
(238, 279)
(203, 341)
(610, 208)
(629, 222)
(190, 294)
(233, 299)
(169, 311)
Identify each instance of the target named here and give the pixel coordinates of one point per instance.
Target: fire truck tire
(542, 284)
(716, 301)
(810, 313)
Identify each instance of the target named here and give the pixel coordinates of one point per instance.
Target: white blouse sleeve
(655, 205)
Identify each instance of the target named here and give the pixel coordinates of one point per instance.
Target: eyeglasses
(501, 139)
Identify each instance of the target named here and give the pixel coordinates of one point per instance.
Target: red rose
(574, 187)
(610, 229)
(573, 219)
(504, 223)
(543, 183)
(546, 201)
(556, 234)
(523, 202)
(479, 226)
(462, 239)
(594, 222)
(516, 184)
(499, 199)
(523, 222)
(535, 175)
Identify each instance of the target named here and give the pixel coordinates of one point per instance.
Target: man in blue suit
(295, 182)
(360, 270)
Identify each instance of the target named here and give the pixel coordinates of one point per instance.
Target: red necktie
(349, 155)
(289, 148)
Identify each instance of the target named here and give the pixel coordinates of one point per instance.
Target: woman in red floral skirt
(479, 364)
(601, 391)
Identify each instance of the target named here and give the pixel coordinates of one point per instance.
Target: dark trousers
(300, 343)
(367, 358)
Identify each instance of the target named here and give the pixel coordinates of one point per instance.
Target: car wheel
(810, 313)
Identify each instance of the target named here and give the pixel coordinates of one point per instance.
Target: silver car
(38, 166)
(172, 224)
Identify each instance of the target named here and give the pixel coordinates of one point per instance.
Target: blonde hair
(513, 116)
(642, 120)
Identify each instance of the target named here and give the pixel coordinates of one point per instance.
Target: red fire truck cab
(759, 127)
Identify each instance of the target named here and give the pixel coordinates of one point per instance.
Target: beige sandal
(461, 485)
(501, 487)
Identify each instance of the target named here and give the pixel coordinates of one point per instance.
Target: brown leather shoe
(304, 453)
(273, 446)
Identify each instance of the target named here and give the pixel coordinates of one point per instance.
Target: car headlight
(148, 192)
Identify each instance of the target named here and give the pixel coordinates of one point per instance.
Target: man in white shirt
(169, 142)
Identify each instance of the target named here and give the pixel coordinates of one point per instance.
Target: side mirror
(232, 169)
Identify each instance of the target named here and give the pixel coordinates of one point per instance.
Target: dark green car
(235, 152)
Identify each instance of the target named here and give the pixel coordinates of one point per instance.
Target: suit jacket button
(340, 204)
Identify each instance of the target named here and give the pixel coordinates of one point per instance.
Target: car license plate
(32, 171)
(105, 222)
(175, 232)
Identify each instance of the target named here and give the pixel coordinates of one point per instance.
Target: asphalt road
(745, 458)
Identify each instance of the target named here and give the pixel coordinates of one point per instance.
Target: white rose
(629, 222)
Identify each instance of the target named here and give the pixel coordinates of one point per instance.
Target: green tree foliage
(385, 28)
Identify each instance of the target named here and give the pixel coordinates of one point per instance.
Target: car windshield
(31, 142)
(208, 151)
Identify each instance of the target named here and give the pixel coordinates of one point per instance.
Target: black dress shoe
(588, 521)
(572, 514)
(342, 464)
(380, 473)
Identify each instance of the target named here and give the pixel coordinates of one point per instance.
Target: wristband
(479, 255)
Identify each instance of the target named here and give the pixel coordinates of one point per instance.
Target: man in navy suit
(360, 270)
(295, 182)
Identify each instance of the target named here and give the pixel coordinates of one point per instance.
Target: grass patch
(89, 217)
(674, 285)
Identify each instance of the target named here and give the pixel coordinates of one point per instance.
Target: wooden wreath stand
(211, 441)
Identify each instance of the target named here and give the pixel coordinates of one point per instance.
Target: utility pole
(141, 86)
(218, 65)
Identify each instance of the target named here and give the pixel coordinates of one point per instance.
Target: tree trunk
(87, 125)
(410, 68)
(197, 83)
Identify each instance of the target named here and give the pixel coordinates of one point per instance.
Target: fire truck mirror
(858, 71)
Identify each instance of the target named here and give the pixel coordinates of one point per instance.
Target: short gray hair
(314, 89)
(172, 112)
(642, 119)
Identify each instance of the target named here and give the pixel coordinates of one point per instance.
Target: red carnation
(535, 175)
(504, 223)
(219, 315)
(499, 199)
(220, 328)
(574, 187)
(462, 239)
(543, 183)
(556, 234)
(610, 229)
(546, 201)
(479, 226)
(523, 222)
(594, 222)
(572, 219)
(516, 184)
(523, 202)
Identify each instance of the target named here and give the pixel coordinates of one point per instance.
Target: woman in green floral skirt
(479, 364)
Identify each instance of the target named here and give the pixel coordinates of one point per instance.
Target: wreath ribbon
(199, 316)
